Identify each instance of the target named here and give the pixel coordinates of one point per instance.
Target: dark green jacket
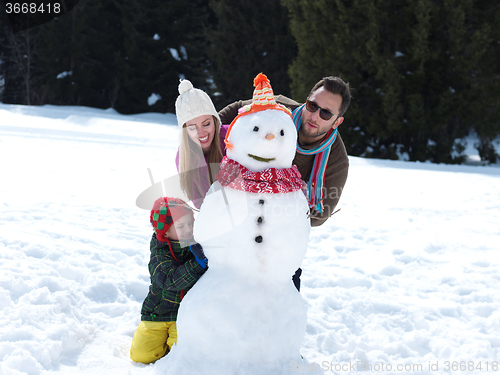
(168, 278)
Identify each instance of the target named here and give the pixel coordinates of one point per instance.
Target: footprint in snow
(390, 271)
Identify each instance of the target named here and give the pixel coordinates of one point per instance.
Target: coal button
(258, 239)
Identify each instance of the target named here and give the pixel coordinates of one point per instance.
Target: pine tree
(77, 55)
(164, 42)
(117, 53)
(479, 66)
(250, 36)
(4, 27)
(19, 70)
(422, 71)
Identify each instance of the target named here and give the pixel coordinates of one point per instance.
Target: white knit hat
(192, 103)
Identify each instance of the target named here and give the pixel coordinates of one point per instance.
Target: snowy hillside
(404, 279)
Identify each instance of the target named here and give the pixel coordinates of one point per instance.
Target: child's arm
(170, 275)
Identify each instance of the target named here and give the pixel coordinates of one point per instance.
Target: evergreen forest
(424, 74)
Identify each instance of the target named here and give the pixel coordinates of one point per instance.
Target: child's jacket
(168, 278)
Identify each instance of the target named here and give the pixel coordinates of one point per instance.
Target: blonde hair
(191, 160)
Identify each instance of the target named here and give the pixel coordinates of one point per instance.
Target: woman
(201, 141)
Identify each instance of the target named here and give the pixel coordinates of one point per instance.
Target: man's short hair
(335, 85)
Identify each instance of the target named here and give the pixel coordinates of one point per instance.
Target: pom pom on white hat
(192, 103)
(185, 86)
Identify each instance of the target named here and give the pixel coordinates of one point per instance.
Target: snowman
(244, 315)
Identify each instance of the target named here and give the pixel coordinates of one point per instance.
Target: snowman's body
(244, 316)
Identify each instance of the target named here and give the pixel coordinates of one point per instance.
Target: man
(321, 156)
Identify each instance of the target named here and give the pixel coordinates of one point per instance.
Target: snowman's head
(264, 139)
(263, 134)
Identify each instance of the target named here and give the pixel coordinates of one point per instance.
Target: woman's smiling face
(201, 130)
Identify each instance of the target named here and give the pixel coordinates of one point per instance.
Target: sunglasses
(324, 114)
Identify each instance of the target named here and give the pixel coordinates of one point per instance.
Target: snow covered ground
(404, 279)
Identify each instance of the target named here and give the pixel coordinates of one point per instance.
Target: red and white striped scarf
(270, 180)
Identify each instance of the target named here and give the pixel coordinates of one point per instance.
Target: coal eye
(256, 129)
(282, 133)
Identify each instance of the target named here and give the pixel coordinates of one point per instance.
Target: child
(174, 268)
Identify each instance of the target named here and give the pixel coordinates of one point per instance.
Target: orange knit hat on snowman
(263, 99)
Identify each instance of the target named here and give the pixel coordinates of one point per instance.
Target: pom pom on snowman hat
(263, 99)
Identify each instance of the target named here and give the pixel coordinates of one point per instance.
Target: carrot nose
(269, 137)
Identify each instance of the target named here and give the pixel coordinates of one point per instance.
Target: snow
(184, 52)
(404, 277)
(153, 98)
(64, 74)
(175, 54)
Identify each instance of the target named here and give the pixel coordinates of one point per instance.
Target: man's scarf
(270, 180)
(316, 181)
